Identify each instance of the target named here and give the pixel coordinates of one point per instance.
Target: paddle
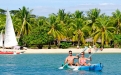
(83, 50)
(95, 52)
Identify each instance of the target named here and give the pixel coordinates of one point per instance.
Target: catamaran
(9, 37)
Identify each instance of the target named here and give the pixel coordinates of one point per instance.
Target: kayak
(92, 67)
(66, 66)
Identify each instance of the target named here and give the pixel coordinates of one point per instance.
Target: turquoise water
(48, 64)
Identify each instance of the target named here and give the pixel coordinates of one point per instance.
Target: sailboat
(9, 37)
(1, 39)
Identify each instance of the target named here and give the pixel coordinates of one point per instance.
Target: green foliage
(2, 21)
(117, 39)
(38, 36)
(65, 45)
(70, 26)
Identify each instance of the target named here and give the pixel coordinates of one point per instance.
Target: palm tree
(68, 27)
(117, 21)
(92, 15)
(80, 27)
(25, 14)
(104, 30)
(80, 31)
(55, 28)
(61, 16)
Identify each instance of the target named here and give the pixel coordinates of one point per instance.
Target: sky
(46, 7)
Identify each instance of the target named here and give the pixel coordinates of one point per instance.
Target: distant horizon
(46, 7)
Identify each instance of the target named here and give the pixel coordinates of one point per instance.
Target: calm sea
(48, 64)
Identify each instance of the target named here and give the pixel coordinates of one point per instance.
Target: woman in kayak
(82, 60)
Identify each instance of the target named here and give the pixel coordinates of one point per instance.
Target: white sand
(32, 51)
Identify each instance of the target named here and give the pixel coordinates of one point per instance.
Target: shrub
(64, 45)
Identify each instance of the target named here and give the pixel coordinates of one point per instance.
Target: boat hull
(92, 67)
(9, 52)
(66, 66)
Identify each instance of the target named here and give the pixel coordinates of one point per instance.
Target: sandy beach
(47, 51)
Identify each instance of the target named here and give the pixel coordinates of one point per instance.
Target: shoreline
(60, 51)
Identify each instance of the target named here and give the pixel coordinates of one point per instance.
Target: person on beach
(89, 50)
(70, 59)
(77, 47)
(82, 60)
(95, 48)
(101, 48)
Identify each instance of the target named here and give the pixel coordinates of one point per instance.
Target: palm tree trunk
(78, 40)
(58, 43)
(21, 29)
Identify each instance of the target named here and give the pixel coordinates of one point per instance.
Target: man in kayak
(82, 60)
(70, 59)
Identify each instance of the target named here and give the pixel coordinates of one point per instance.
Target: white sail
(1, 39)
(9, 37)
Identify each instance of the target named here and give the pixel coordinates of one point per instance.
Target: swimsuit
(83, 61)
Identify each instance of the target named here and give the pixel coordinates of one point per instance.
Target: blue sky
(46, 7)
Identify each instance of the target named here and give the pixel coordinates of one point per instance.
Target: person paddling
(70, 59)
(82, 60)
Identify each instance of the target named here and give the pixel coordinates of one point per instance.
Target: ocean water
(48, 64)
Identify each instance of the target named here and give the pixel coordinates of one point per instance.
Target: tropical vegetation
(63, 30)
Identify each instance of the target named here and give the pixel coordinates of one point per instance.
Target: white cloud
(106, 4)
(46, 7)
(87, 4)
(44, 11)
(107, 8)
